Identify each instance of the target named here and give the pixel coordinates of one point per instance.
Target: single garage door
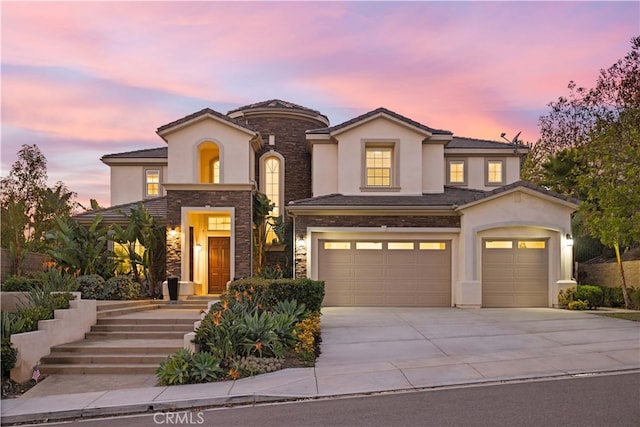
(515, 273)
(385, 273)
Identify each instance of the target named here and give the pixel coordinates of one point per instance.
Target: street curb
(236, 400)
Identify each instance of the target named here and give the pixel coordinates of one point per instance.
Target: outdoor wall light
(172, 232)
(198, 247)
(300, 243)
(569, 238)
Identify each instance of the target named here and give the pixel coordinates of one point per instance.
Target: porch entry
(219, 264)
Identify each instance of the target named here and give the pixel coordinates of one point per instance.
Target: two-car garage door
(385, 273)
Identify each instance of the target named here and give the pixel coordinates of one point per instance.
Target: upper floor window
(152, 182)
(209, 163)
(272, 183)
(456, 172)
(495, 172)
(379, 166)
(214, 171)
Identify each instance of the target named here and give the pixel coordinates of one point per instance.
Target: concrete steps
(133, 338)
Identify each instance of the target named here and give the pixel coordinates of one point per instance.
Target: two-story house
(386, 210)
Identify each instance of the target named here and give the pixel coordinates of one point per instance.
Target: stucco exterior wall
(513, 215)
(433, 169)
(128, 181)
(407, 156)
(234, 145)
(324, 169)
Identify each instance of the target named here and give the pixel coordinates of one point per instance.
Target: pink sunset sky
(82, 79)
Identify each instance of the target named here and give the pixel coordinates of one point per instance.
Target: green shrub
(578, 305)
(184, 367)
(121, 288)
(304, 291)
(252, 365)
(593, 295)
(634, 296)
(42, 306)
(8, 358)
(612, 297)
(565, 296)
(57, 280)
(32, 315)
(91, 286)
(17, 284)
(307, 334)
(12, 323)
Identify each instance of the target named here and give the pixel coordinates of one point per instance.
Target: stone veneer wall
(240, 200)
(302, 222)
(290, 143)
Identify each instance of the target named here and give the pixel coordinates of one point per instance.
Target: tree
(82, 250)
(28, 206)
(144, 244)
(590, 147)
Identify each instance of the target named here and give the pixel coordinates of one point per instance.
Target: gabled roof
(374, 113)
(525, 185)
(157, 208)
(451, 198)
(197, 115)
(464, 142)
(150, 153)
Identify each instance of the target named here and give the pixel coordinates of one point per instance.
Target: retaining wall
(67, 326)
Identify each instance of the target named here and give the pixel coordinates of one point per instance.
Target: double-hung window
(379, 166)
(456, 172)
(495, 172)
(152, 183)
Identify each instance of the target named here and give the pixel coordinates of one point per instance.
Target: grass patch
(632, 315)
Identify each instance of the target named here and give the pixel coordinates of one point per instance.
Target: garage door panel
(515, 276)
(387, 274)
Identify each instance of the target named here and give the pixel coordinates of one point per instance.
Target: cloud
(91, 78)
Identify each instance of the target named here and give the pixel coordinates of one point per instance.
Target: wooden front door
(219, 264)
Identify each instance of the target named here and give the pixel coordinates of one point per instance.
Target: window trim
(488, 160)
(392, 146)
(145, 177)
(465, 171)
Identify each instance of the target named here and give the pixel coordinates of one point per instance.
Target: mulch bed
(12, 389)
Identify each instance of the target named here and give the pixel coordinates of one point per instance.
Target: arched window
(209, 163)
(272, 180)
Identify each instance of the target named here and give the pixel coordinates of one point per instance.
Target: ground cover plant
(255, 328)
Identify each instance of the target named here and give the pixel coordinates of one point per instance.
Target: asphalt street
(592, 400)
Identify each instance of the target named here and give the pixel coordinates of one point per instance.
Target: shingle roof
(464, 142)
(197, 114)
(159, 153)
(375, 112)
(276, 103)
(451, 198)
(157, 208)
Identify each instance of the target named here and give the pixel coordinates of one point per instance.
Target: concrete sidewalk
(369, 350)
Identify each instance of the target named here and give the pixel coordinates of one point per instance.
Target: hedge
(271, 291)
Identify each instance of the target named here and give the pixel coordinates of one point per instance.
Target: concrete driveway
(376, 349)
